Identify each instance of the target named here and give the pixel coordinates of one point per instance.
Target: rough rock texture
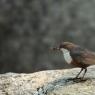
(52, 82)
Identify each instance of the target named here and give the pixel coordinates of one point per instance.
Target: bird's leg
(81, 79)
(84, 74)
(79, 73)
(76, 78)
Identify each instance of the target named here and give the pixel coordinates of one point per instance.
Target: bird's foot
(80, 79)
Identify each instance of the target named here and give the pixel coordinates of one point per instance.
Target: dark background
(28, 28)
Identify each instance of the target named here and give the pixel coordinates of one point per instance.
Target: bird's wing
(89, 58)
(83, 56)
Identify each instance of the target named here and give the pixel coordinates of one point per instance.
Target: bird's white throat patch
(67, 56)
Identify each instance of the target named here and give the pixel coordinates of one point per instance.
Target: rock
(51, 82)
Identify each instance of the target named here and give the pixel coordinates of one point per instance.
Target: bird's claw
(80, 79)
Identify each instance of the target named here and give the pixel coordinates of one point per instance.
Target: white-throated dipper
(77, 56)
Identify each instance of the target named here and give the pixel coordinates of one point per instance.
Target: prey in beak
(55, 48)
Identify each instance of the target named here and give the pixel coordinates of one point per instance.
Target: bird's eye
(61, 46)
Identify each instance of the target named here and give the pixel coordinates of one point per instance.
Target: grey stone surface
(51, 82)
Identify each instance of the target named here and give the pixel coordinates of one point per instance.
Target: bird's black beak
(56, 48)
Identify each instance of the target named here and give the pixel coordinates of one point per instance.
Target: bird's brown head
(65, 45)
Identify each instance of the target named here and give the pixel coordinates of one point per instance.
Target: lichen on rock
(50, 82)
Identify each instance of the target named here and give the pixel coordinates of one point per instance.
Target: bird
(77, 56)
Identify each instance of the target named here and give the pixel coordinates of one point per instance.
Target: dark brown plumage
(80, 57)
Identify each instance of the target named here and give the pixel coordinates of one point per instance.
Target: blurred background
(29, 28)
